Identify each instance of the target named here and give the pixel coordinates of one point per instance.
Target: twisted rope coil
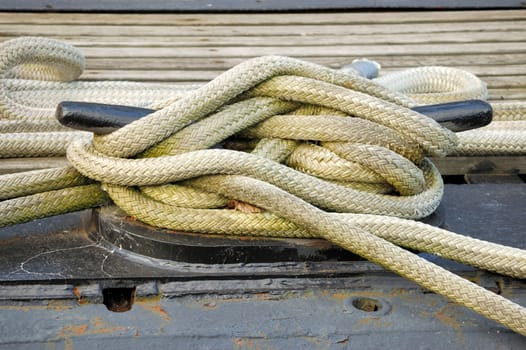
(327, 154)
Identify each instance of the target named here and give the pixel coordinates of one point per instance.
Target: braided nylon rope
(317, 153)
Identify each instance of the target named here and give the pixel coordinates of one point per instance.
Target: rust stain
(263, 296)
(398, 292)
(80, 299)
(97, 322)
(107, 330)
(148, 299)
(57, 305)
(97, 327)
(371, 293)
(341, 295)
(156, 309)
(240, 343)
(73, 330)
(367, 321)
(21, 308)
(446, 316)
(68, 344)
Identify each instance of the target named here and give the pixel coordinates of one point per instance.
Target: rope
(310, 151)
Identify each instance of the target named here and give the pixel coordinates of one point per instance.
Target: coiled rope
(326, 153)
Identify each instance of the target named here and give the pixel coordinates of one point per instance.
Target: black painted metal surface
(97, 117)
(71, 247)
(114, 226)
(459, 116)
(56, 275)
(104, 119)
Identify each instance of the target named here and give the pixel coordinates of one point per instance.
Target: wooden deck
(195, 48)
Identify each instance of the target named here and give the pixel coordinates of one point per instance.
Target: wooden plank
(206, 75)
(478, 165)
(507, 94)
(490, 62)
(516, 81)
(514, 73)
(343, 29)
(288, 40)
(307, 51)
(261, 19)
(510, 77)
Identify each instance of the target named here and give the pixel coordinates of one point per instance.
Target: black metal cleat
(103, 118)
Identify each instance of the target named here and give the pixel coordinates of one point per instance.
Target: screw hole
(367, 304)
(118, 299)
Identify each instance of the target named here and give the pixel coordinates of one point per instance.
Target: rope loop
(33, 58)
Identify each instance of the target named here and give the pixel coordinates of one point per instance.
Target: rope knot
(319, 153)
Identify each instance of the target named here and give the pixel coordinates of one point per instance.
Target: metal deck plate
(56, 276)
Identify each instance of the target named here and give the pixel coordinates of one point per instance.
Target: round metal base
(125, 233)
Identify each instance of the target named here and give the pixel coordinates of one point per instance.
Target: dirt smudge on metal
(447, 315)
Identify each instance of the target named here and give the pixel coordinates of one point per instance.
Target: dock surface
(190, 48)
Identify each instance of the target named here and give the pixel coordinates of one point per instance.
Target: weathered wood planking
(128, 30)
(270, 19)
(285, 40)
(185, 48)
(190, 48)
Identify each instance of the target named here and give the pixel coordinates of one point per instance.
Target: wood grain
(194, 48)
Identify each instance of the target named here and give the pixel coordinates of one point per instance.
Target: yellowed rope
(344, 159)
